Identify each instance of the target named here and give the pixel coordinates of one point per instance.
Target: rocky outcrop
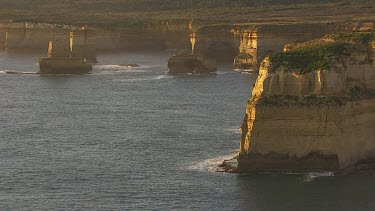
(186, 62)
(60, 60)
(216, 42)
(248, 57)
(59, 46)
(63, 65)
(3, 29)
(257, 41)
(313, 108)
(26, 35)
(83, 44)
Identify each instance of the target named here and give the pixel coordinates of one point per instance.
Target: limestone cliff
(313, 108)
(256, 41)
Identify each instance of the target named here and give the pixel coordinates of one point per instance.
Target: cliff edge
(313, 108)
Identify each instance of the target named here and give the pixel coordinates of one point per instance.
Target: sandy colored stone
(310, 137)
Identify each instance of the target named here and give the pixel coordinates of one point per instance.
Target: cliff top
(122, 13)
(319, 54)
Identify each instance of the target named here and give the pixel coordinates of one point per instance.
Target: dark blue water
(140, 139)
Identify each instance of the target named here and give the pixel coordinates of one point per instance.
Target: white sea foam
(222, 73)
(319, 174)
(311, 176)
(211, 164)
(163, 77)
(117, 69)
(315, 175)
(110, 67)
(17, 72)
(236, 130)
(159, 77)
(249, 71)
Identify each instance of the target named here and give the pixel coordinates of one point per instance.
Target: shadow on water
(290, 192)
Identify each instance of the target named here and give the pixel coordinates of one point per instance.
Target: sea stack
(60, 60)
(83, 44)
(186, 62)
(313, 109)
(247, 59)
(189, 62)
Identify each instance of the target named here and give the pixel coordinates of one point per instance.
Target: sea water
(139, 139)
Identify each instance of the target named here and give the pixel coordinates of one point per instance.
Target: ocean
(140, 139)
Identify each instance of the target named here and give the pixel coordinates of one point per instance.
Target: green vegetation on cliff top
(352, 37)
(309, 58)
(354, 94)
(119, 13)
(318, 55)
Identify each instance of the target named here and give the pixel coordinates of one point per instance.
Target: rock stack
(60, 59)
(83, 44)
(313, 109)
(187, 62)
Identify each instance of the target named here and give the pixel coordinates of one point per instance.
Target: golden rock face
(248, 57)
(310, 137)
(83, 44)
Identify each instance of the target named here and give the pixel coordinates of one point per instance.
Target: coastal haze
(94, 117)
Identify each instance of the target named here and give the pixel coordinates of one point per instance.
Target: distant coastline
(122, 14)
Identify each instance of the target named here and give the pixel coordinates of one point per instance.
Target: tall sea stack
(83, 44)
(60, 60)
(313, 108)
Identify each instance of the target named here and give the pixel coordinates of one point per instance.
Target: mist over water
(137, 138)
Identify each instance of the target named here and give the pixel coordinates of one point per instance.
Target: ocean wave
(212, 164)
(14, 72)
(117, 68)
(145, 78)
(248, 71)
(236, 130)
(311, 176)
(110, 67)
(222, 72)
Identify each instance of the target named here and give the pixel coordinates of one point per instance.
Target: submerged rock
(186, 62)
(313, 109)
(62, 65)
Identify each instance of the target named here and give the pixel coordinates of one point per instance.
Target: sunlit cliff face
(247, 59)
(249, 43)
(59, 45)
(83, 44)
(322, 119)
(193, 40)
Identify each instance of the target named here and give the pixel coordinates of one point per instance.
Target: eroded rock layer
(313, 108)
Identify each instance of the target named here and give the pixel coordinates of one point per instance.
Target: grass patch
(309, 58)
(352, 37)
